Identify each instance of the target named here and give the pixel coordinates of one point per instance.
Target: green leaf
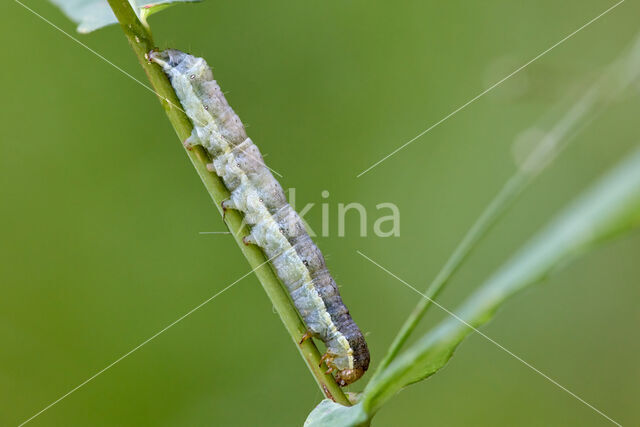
(619, 76)
(329, 414)
(609, 207)
(91, 15)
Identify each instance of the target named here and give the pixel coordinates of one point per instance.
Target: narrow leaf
(609, 207)
(621, 74)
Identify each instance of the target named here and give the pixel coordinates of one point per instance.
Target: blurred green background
(101, 211)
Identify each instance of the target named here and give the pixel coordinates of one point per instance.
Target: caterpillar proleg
(275, 227)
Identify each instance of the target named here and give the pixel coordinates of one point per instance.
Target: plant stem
(141, 41)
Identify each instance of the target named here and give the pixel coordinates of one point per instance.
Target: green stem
(141, 41)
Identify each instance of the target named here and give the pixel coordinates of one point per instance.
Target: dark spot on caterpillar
(305, 262)
(147, 55)
(192, 76)
(206, 107)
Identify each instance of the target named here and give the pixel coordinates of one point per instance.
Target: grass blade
(622, 73)
(609, 207)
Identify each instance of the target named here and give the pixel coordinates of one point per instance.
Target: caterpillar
(275, 227)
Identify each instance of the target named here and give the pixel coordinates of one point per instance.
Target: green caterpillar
(275, 226)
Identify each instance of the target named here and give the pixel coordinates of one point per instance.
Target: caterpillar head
(359, 351)
(347, 376)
